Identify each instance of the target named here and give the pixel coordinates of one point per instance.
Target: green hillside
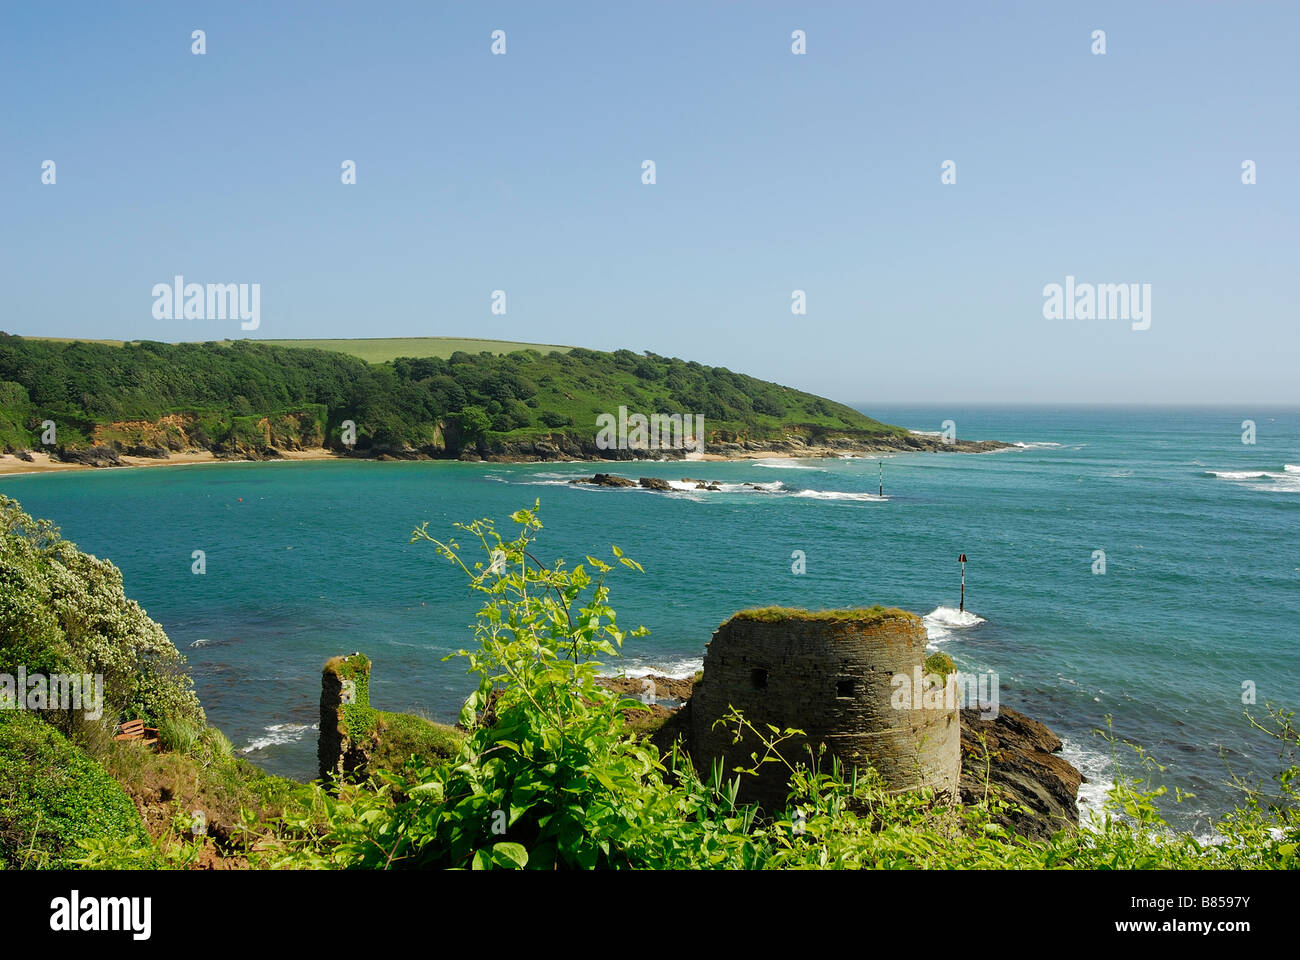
(235, 397)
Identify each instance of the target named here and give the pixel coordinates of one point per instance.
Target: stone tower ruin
(830, 674)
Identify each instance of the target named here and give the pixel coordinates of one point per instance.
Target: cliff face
(226, 436)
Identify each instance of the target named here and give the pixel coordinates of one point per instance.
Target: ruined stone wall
(347, 721)
(830, 677)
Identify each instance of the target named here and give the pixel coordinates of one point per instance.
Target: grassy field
(379, 350)
(107, 343)
(390, 348)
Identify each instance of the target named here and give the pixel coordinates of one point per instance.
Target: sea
(1132, 574)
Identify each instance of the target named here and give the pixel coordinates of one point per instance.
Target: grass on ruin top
(351, 666)
(868, 615)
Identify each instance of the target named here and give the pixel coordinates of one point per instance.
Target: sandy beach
(44, 463)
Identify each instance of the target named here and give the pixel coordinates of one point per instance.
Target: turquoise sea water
(1201, 590)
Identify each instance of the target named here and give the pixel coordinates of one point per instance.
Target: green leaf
(469, 712)
(510, 855)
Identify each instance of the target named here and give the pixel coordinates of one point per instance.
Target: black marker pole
(962, 559)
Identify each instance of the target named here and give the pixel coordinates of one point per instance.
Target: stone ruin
(829, 674)
(347, 721)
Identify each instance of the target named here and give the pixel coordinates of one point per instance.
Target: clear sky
(775, 172)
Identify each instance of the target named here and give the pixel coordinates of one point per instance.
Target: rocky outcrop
(648, 483)
(662, 688)
(1021, 759)
(144, 450)
(239, 451)
(101, 456)
(386, 454)
(606, 480)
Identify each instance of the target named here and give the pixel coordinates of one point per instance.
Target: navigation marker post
(962, 560)
(881, 464)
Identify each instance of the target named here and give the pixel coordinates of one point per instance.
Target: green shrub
(52, 796)
(551, 418)
(62, 610)
(940, 664)
(213, 743)
(176, 734)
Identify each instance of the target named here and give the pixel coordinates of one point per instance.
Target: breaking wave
(785, 465)
(1286, 480)
(838, 495)
(1097, 767)
(679, 669)
(942, 622)
(277, 734)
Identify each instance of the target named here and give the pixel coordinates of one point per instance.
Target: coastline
(43, 463)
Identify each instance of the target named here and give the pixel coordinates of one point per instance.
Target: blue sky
(775, 172)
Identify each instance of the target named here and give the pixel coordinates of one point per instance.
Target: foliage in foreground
(52, 796)
(549, 775)
(70, 794)
(64, 611)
